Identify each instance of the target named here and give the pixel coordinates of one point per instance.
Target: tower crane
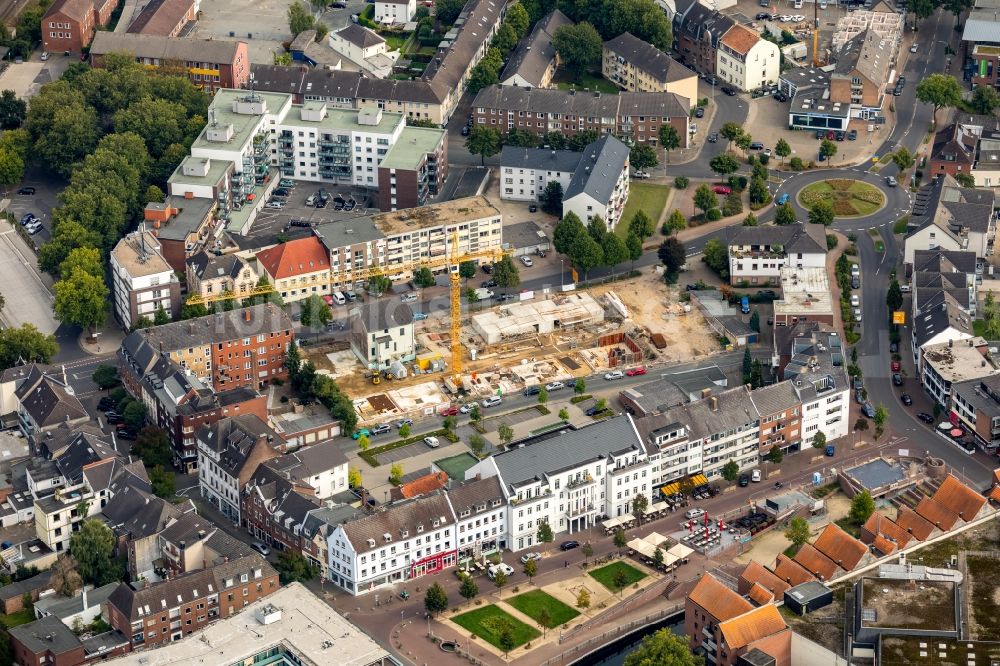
(451, 259)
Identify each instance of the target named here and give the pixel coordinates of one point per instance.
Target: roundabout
(847, 197)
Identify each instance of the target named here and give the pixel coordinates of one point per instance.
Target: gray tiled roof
(941, 261)
(720, 412)
(939, 318)
(46, 399)
(571, 448)
(48, 634)
(534, 55)
(208, 266)
(700, 21)
(775, 398)
(475, 27)
(516, 157)
(234, 438)
(359, 36)
(646, 57)
(232, 325)
(475, 494)
(309, 461)
(586, 105)
(216, 51)
(385, 313)
(805, 238)
(136, 514)
(396, 517)
(599, 170)
(818, 364)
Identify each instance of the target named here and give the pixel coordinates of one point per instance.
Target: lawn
(643, 196)
(394, 41)
(606, 575)
(531, 604)
(487, 623)
(849, 198)
(455, 466)
(979, 328)
(591, 81)
(23, 616)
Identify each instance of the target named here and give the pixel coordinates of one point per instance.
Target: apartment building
(637, 116)
(50, 642)
(322, 467)
(405, 540)
(698, 31)
(354, 246)
(601, 187)
(817, 369)
(183, 226)
(229, 452)
(137, 518)
(953, 218)
(526, 172)
(480, 508)
(413, 169)
(275, 508)
(534, 61)
(210, 274)
(861, 73)
(297, 269)
(211, 64)
(638, 66)
(382, 333)
(160, 613)
(976, 403)
(780, 409)
(757, 254)
(569, 481)
(45, 401)
(142, 282)
(746, 60)
(238, 348)
(69, 25)
(363, 47)
(395, 11)
(168, 18)
(947, 363)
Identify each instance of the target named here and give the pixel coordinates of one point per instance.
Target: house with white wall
(382, 333)
(229, 452)
(600, 184)
(747, 61)
(395, 12)
(480, 507)
(818, 370)
(526, 172)
(757, 254)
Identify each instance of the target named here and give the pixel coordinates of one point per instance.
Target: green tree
(597, 229)
(300, 18)
(903, 159)
(315, 312)
(705, 199)
(620, 539)
(564, 414)
(467, 269)
(675, 222)
(620, 580)
(580, 386)
(395, 474)
(894, 296)
(506, 273)
(499, 579)
(354, 479)
(436, 599)
(750, 220)
(64, 579)
(447, 11)
(956, 7)
(404, 430)
(724, 164)
(641, 225)
(551, 197)
(642, 157)
(505, 433)
(134, 415)
(364, 442)
(634, 246)
(775, 455)
(544, 534)
(162, 482)
(379, 284)
(747, 365)
(785, 214)
(985, 100)
(13, 110)
(920, 9)
(819, 440)
(716, 256)
(731, 132)
(881, 416)
(159, 122)
(423, 277)
(672, 255)
(965, 179)
(579, 47)
(478, 444)
(476, 413)
(586, 254)
(449, 423)
(658, 557)
(293, 567)
(483, 141)
(26, 344)
(486, 73)
(730, 471)
(755, 320)
(63, 127)
(11, 167)
(782, 150)
(821, 213)
(92, 547)
(797, 531)
(615, 251)
(669, 139)
(469, 590)
(80, 299)
(940, 91)
(827, 148)
(583, 598)
(505, 635)
(588, 551)
(530, 569)
(152, 446)
(862, 507)
(505, 39)
(544, 619)
(579, 141)
(106, 377)
(517, 18)
(566, 232)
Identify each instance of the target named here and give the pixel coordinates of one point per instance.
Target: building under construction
(519, 320)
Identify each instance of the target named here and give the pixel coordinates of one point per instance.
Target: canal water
(614, 654)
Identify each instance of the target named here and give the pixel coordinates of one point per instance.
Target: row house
(638, 66)
(757, 254)
(698, 31)
(480, 508)
(192, 542)
(156, 614)
(274, 509)
(817, 370)
(177, 401)
(209, 274)
(634, 116)
(137, 517)
(953, 218)
(229, 452)
(297, 269)
(534, 61)
(601, 187)
(571, 480)
(939, 276)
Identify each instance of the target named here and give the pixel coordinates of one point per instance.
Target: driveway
(27, 77)
(27, 298)
(40, 203)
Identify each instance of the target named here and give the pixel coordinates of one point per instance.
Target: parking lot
(27, 77)
(27, 298)
(271, 221)
(40, 204)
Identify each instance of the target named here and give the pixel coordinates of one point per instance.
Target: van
(483, 294)
(338, 298)
(311, 200)
(351, 296)
(492, 401)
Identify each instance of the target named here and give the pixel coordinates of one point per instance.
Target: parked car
(721, 189)
(694, 513)
(569, 545)
(531, 390)
(593, 410)
(465, 130)
(502, 567)
(286, 182)
(527, 261)
(895, 366)
(852, 135)
(27, 218)
(755, 476)
(840, 135)
(533, 208)
(33, 227)
(26, 190)
(855, 300)
(893, 347)
(361, 431)
(487, 268)
(614, 374)
(783, 199)
(408, 297)
(635, 372)
(830, 450)
(128, 434)
(699, 112)
(402, 422)
(925, 417)
(914, 47)
(744, 481)
(868, 410)
(897, 379)
(261, 548)
(380, 429)
(106, 403)
(432, 442)
(729, 90)
(907, 400)
(756, 145)
(554, 386)
(492, 401)
(527, 557)
(467, 407)
(419, 316)
(449, 411)
(855, 282)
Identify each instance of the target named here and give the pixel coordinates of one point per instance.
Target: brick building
(69, 25)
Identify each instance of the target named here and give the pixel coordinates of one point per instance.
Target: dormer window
(437, 523)
(420, 528)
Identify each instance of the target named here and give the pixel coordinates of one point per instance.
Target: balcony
(574, 512)
(580, 482)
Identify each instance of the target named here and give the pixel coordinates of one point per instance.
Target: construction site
(537, 339)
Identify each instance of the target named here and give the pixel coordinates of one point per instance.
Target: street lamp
(561, 279)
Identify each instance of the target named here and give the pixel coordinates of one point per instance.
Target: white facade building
(747, 61)
(526, 172)
(757, 254)
(142, 281)
(229, 452)
(480, 507)
(395, 12)
(571, 480)
(817, 370)
(600, 184)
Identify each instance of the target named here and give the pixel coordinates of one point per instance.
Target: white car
(274, 205)
(641, 175)
(914, 48)
(798, 17)
(408, 297)
(855, 301)
(857, 315)
(504, 567)
(33, 227)
(784, 18)
(527, 557)
(855, 270)
(554, 386)
(467, 407)
(492, 401)
(527, 261)
(45, 56)
(614, 374)
(694, 513)
(432, 442)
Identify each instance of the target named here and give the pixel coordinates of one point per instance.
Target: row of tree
(595, 245)
(487, 71)
(310, 385)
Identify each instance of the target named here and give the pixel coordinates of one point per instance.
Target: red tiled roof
(996, 476)
(296, 257)
(75, 9)
(936, 514)
(883, 545)
(740, 39)
(959, 498)
(791, 571)
(424, 485)
(756, 573)
(816, 562)
(753, 626)
(718, 600)
(879, 525)
(995, 494)
(916, 525)
(760, 595)
(841, 547)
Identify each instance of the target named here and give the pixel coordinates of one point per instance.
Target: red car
(449, 411)
(895, 366)
(721, 189)
(635, 372)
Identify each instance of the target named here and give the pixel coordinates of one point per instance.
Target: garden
(543, 608)
(617, 576)
(647, 197)
(849, 198)
(496, 627)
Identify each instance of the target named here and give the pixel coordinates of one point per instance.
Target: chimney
(246, 315)
(713, 403)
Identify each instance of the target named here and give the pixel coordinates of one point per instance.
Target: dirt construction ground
(765, 549)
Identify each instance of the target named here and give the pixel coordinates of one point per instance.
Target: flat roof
(216, 170)
(411, 147)
(804, 290)
(876, 473)
(377, 121)
(960, 360)
(222, 114)
(435, 215)
(297, 621)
